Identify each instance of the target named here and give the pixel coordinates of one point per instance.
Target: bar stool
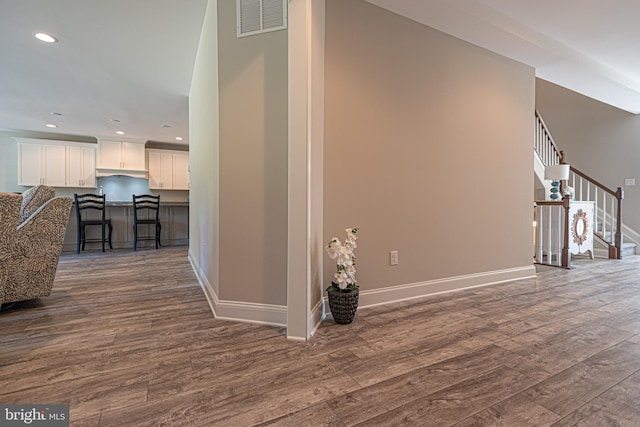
(152, 205)
(91, 202)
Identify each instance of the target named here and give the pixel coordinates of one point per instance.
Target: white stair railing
(552, 233)
(608, 202)
(544, 145)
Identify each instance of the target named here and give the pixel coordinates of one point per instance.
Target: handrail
(549, 202)
(617, 193)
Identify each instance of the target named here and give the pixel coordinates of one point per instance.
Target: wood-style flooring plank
(565, 392)
(618, 406)
(517, 410)
(456, 402)
(128, 339)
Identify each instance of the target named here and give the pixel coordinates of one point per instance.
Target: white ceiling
(129, 60)
(132, 60)
(589, 46)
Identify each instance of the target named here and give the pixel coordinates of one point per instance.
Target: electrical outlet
(393, 257)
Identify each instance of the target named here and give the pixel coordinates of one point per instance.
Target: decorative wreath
(580, 216)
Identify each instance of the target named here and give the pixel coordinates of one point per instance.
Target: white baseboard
(421, 289)
(263, 314)
(204, 282)
(276, 315)
(317, 316)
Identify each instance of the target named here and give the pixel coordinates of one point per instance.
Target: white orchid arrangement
(345, 277)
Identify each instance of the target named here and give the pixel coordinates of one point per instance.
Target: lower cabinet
(174, 220)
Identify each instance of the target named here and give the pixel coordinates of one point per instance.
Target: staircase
(628, 247)
(608, 229)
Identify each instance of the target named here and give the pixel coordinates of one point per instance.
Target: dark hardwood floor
(127, 339)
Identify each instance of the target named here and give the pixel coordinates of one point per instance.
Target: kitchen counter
(117, 203)
(174, 217)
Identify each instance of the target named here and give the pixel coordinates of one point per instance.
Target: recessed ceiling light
(51, 125)
(114, 120)
(47, 38)
(178, 138)
(165, 126)
(55, 113)
(119, 132)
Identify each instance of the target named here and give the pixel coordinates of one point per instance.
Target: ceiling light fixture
(165, 126)
(119, 132)
(51, 125)
(55, 113)
(178, 138)
(47, 38)
(114, 120)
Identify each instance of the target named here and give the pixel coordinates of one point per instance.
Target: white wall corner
(305, 168)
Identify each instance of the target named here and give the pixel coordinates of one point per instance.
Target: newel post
(618, 236)
(566, 258)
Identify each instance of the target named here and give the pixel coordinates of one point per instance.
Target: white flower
(345, 259)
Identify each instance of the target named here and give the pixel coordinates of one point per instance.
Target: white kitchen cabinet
(168, 169)
(181, 171)
(160, 170)
(56, 163)
(115, 156)
(81, 166)
(41, 162)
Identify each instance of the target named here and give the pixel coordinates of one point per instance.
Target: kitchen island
(174, 217)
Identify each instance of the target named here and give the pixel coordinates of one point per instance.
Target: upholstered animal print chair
(30, 249)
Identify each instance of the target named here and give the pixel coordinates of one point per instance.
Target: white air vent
(261, 16)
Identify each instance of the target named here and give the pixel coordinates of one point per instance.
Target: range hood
(134, 173)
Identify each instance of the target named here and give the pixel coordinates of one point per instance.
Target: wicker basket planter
(343, 305)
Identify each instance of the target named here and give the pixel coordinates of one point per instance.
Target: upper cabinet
(181, 171)
(81, 166)
(168, 169)
(55, 163)
(121, 158)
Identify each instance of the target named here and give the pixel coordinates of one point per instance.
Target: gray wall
(238, 137)
(203, 154)
(428, 149)
(253, 162)
(598, 139)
